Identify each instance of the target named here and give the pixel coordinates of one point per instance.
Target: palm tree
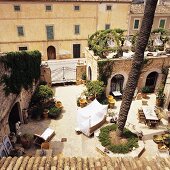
(137, 63)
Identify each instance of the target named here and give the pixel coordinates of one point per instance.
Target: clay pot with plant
(145, 91)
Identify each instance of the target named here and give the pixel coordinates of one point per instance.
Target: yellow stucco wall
(117, 17)
(34, 18)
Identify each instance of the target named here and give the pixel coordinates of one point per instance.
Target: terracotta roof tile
(121, 1)
(61, 163)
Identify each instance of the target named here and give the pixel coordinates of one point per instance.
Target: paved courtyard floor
(80, 145)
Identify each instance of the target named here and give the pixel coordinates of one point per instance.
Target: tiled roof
(139, 9)
(104, 163)
(118, 1)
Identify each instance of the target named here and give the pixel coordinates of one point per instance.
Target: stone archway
(89, 73)
(51, 53)
(117, 82)
(14, 117)
(151, 80)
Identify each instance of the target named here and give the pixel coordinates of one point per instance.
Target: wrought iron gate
(63, 75)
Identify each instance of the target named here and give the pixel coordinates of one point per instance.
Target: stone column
(167, 91)
(46, 74)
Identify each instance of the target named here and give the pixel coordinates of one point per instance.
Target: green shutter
(50, 32)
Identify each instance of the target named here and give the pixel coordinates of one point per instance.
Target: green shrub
(95, 88)
(43, 92)
(132, 140)
(146, 89)
(54, 112)
(24, 70)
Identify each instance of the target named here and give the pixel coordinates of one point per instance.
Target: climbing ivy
(105, 68)
(98, 42)
(24, 68)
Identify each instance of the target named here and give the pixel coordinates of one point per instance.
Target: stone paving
(80, 145)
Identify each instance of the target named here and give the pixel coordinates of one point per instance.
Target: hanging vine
(105, 68)
(24, 68)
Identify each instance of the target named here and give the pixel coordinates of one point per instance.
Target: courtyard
(80, 145)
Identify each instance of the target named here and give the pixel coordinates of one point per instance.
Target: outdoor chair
(7, 144)
(46, 136)
(3, 152)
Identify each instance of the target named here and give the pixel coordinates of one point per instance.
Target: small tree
(42, 93)
(95, 88)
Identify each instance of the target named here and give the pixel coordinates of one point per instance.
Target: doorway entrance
(117, 83)
(14, 117)
(51, 53)
(76, 50)
(151, 81)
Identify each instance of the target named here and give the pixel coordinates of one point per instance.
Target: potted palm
(145, 90)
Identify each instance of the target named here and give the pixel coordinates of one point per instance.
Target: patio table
(150, 115)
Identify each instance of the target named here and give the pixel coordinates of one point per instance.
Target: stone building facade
(58, 29)
(161, 19)
(151, 75)
(13, 107)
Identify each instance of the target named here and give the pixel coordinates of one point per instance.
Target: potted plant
(54, 112)
(83, 77)
(145, 90)
(160, 97)
(26, 140)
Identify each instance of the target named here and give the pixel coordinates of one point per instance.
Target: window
(136, 24)
(108, 7)
(20, 30)
(48, 8)
(76, 7)
(162, 23)
(23, 48)
(77, 29)
(107, 26)
(17, 8)
(50, 32)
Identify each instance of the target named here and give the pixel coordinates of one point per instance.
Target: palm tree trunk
(137, 64)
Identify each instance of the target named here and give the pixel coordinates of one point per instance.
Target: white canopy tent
(91, 117)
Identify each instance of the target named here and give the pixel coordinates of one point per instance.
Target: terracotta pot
(45, 145)
(58, 104)
(110, 98)
(83, 102)
(144, 95)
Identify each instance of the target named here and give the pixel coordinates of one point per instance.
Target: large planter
(83, 102)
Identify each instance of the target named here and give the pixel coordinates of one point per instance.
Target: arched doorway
(89, 73)
(51, 53)
(117, 83)
(14, 117)
(151, 81)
